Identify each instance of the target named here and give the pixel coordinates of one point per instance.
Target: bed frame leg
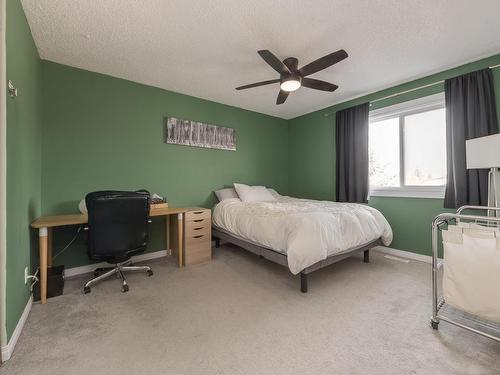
(303, 282)
(366, 256)
(217, 242)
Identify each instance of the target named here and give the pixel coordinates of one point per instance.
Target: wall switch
(25, 275)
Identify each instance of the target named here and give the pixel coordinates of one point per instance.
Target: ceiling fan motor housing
(293, 74)
(292, 63)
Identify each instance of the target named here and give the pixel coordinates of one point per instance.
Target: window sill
(432, 192)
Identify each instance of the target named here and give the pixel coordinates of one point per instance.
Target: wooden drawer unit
(193, 231)
(198, 215)
(197, 253)
(197, 236)
(199, 223)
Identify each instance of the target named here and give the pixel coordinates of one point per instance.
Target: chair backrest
(118, 224)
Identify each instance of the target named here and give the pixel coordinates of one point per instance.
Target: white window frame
(424, 104)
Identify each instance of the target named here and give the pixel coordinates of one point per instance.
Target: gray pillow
(227, 193)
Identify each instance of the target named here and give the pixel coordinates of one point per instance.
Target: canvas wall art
(199, 134)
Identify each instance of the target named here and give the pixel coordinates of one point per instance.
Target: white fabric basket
(471, 276)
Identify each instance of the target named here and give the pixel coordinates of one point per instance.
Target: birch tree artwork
(199, 134)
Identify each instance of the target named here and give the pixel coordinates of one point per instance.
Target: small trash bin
(55, 283)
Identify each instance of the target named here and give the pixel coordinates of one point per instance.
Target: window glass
(384, 153)
(425, 148)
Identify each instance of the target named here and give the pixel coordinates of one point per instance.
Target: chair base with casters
(118, 269)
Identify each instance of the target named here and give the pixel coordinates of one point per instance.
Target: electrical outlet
(25, 275)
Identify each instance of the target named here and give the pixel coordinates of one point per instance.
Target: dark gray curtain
(470, 113)
(351, 137)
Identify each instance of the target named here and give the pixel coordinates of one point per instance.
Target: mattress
(307, 231)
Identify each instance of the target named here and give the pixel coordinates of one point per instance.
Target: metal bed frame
(280, 258)
(439, 304)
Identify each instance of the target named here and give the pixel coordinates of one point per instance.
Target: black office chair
(118, 228)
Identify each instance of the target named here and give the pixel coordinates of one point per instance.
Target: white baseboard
(404, 254)
(76, 271)
(8, 349)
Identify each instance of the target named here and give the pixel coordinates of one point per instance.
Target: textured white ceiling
(207, 48)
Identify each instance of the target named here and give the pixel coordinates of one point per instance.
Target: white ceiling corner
(207, 48)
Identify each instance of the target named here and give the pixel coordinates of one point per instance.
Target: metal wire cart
(470, 296)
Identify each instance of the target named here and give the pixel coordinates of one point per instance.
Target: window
(407, 149)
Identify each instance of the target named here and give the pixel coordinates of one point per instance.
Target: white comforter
(307, 231)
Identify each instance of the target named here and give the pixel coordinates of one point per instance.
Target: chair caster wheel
(124, 288)
(150, 272)
(86, 290)
(434, 324)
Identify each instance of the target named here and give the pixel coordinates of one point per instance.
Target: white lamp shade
(483, 152)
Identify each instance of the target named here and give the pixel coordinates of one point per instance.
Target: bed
(301, 234)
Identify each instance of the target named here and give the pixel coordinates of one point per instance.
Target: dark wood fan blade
(318, 85)
(256, 84)
(282, 97)
(323, 62)
(272, 60)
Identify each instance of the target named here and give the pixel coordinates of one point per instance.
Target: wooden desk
(45, 224)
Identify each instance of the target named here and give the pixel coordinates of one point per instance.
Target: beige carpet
(243, 315)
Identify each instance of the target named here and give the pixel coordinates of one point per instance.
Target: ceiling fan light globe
(290, 85)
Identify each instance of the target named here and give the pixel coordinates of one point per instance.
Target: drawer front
(195, 229)
(197, 223)
(197, 239)
(198, 215)
(198, 253)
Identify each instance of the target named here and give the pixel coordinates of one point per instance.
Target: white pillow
(226, 194)
(253, 193)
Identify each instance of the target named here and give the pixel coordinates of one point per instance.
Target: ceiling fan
(291, 77)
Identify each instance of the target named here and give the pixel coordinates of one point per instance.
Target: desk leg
(43, 244)
(180, 238)
(49, 247)
(167, 234)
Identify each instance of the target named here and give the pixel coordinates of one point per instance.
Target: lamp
(484, 152)
(290, 83)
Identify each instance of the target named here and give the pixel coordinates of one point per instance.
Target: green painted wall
(312, 160)
(101, 132)
(106, 133)
(23, 157)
